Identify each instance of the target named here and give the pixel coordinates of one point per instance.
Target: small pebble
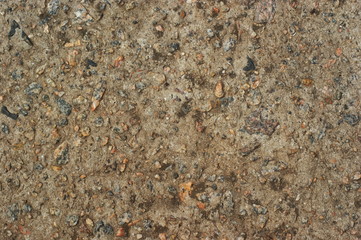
(64, 107)
(262, 221)
(125, 218)
(53, 7)
(99, 121)
(6, 112)
(121, 232)
(250, 65)
(23, 112)
(108, 229)
(307, 82)
(61, 154)
(5, 128)
(63, 122)
(243, 212)
(27, 208)
(258, 209)
(72, 220)
(351, 119)
(218, 90)
(34, 89)
(227, 202)
(89, 222)
(157, 165)
(13, 212)
(229, 44)
(131, 5)
(98, 226)
(97, 96)
(210, 33)
(173, 47)
(140, 86)
(90, 63)
(85, 132)
(148, 224)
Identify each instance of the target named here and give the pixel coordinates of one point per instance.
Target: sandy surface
(180, 119)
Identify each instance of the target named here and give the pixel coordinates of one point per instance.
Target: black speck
(172, 190)
(315, 11)
(38, 167)
(90, 63)
(184, 110)
(174, 47)
(115, 43)
(13, 27)
(26, 38)
(250, 65)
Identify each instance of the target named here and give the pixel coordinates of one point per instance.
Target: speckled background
(180, 119)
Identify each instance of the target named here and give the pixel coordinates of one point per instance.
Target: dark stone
(351, 119)
(38, 166)
(63, 157)
(13, 212)
(90, 63)
(184, 110)
(64, 107)
(108, 229)
(148, 224)
(17, 74)
(357, 203)
(277, 184)
(256, 125)
(25, 37)
(250, 65)
(172, 190)
(226, 101)
(53, 7)
(5, 111)
(173, 47)
(98, 226)
(247, 150)
(33, 89)
(99, 121)
(63, 122)
(14, 25)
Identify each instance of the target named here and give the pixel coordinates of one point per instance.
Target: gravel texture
(180, 119)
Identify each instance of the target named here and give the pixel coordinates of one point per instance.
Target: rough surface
(182, 119)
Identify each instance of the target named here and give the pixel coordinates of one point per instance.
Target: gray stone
(64, 107)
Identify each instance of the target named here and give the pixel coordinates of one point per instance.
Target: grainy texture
(182, 119)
